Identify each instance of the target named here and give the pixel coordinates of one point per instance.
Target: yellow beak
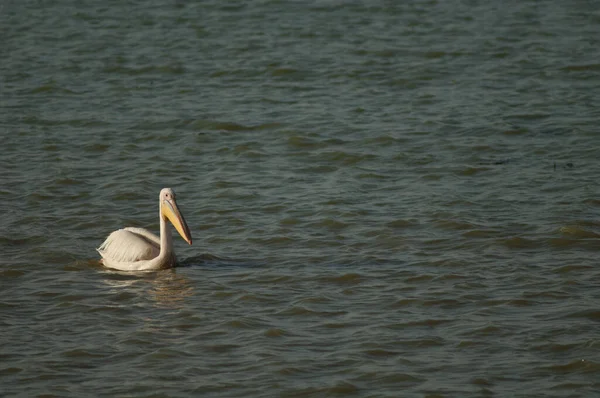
(171, 212)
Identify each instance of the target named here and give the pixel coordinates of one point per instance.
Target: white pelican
(137, 249)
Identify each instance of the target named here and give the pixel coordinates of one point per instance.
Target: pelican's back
(129, 245)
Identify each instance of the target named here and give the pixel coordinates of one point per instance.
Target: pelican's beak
(171, 211)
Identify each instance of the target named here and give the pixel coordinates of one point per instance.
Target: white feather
(129, 245)
(146, 234)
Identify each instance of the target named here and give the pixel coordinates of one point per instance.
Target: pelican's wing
(130, 245)
(146, 234)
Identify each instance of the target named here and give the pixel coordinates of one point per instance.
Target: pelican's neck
(166, 240)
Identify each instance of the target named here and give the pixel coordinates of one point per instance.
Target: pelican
(137, 249)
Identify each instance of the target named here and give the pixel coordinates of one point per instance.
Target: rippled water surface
(386, 198)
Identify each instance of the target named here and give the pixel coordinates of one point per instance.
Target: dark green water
(386, 198)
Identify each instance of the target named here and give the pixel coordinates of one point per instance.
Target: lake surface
(386, 198)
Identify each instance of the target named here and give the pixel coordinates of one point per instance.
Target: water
(386, 199)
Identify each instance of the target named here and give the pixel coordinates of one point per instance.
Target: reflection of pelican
(170, 289)
(137, 249)
(166, 288)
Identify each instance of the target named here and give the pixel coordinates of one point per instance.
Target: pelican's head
(170, 211)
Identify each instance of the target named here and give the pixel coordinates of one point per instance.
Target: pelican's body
(137, 249)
